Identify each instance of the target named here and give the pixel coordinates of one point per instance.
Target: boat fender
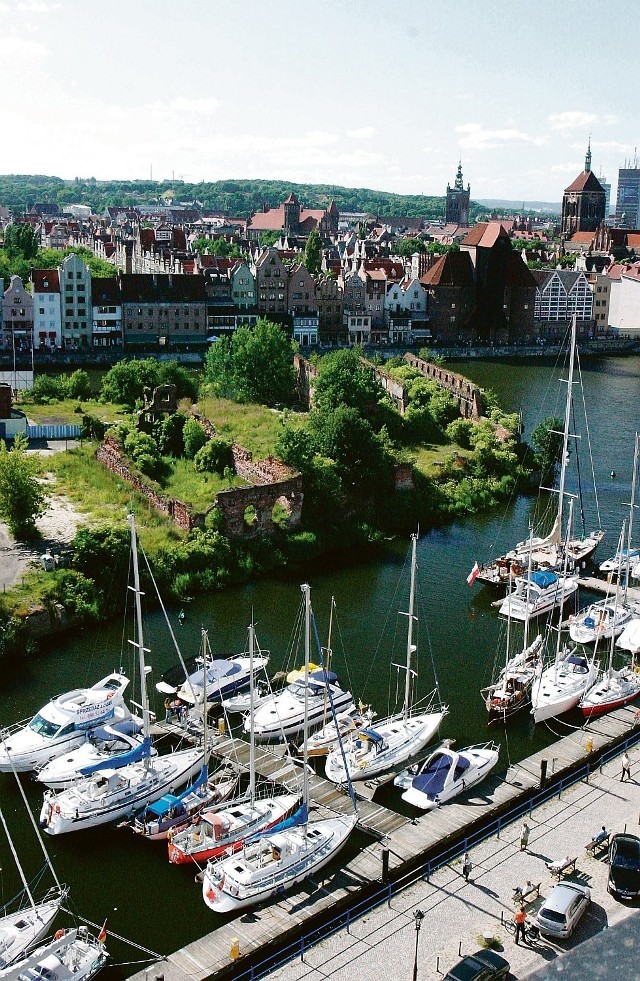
(56, 809)
(211, 893)
(170, 833)
(59, 934)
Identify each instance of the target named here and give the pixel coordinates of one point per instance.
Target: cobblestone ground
(382, 943)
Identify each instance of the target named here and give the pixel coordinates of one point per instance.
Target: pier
(606, 588)
(407, 846)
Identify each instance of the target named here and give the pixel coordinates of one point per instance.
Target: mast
(567, 416)
(140, 641)
(617, 596)
(17, 861)
(564, 579)
(205, 734)
(252, 741)
(631, 507)
(306, 591)
(410, 645)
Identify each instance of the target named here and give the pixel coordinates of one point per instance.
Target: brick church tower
(584, 203)
(457, 207)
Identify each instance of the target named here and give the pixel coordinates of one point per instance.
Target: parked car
(561, 910)
(484, 965)
(624, 866)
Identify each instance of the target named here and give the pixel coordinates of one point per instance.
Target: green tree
(193, 437)
(22, 498)
(407, 246)
(215, 456)
(547, 442)
(255, 366)
(344, 380)
(126, 381)
(78, 385)
(313, 252)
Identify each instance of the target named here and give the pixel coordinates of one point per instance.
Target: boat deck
(410, 844)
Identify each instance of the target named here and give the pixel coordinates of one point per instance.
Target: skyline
(335, 93)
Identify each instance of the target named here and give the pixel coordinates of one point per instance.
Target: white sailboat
(63, 724)
(71, 955)
(387, 745)
(266, 868)
(446, 773)
(114, 743)
(107, 794)
(222, 830)
(548, 552)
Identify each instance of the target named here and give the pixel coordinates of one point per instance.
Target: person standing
(520, 919)
(466, 866)
(626, 767)
(524, 836)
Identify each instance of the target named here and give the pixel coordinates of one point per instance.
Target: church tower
(457, 206)
(292, 215)
(584, 203)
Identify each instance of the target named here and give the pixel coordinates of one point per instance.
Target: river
(114, 875)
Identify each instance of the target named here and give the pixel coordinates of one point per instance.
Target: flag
(471, 578)
(102, 936)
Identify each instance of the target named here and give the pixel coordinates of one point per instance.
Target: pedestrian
(524, 836)
(466, 866)
(626, 767)
(520, 919)
(167, 708)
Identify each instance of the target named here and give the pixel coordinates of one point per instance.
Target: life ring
(59, 934)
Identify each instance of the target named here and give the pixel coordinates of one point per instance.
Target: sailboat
(222, 830)
(63, 723)
(613, 688)
(389, 744)
(548, 552)
(109, 794)
(24, 921)
(511, 692)
(111, 742)
(275, 862)
(71, 955)
(175, 811)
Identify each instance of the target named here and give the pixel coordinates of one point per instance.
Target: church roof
(586, 181)
(485, 234)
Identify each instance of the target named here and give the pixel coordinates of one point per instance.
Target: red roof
(485, 235)
(451, 269)
(586, 181)
(45, 281)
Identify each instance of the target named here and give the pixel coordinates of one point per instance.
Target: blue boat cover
(114, 762)
(589, 622)
(543, 579)
(217, 671)
(329, 677)
(128, 727)
(301, 816)
(371, 734)
(160, 807)
(431, 780)
(580, 662)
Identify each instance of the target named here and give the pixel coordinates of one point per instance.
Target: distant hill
(236, 198)
(515, 207)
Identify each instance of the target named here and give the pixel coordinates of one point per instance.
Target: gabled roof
(105, 291)
(45, 280)
(582, 238)
(451, 269)
(586, 181)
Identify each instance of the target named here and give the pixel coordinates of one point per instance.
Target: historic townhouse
(625, 299)
(17, 316)
(559, 295)
(47, 308)
(303, 306)
(163, 311)
(450, 288)
(329, 297)
(272, 279)
(406, 312)
(355, 319)
(243, 286)
(107, 312)
(77, 315)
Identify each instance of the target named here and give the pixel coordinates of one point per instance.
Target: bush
(168, 434)
(48, 388)
(193, 437)
(78, 385)
(214, 457)
(459, 431)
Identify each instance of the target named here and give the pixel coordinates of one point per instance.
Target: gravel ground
(382, 943)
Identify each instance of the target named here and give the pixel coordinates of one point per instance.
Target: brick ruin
(467, 394)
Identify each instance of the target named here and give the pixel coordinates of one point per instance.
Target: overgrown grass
(193, 488)
(253, 426)
(65, 412)
(430, 458)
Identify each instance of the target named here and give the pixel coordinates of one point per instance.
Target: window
(41, 310)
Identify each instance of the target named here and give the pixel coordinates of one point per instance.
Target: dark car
(624, 866)
(484, 965)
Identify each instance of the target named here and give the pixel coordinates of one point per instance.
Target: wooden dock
(410, 844)
(604, 587)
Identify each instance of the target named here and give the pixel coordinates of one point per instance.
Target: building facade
(583, 202)
(628, 199)
(77, 313)
(47, 309)
(163, 311)
(457, 203)
(17, 316)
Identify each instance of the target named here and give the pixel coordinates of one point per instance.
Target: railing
(385, 893)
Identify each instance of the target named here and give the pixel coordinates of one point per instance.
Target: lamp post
(418, 917)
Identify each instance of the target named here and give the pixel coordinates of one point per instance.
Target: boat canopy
(217, 671)
(301, 816)
(543, 578)
(115, 730)
(371, 734)
(577, 661)
(432, 779)
(138, 753)
(162, 806)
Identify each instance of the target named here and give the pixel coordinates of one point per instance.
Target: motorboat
(389, 744)
(556, 550)
(24, 926)
(631, 555)
(109, 794)
(446, 773)
(63, 724)
(562, 684)
(71, 955)
(538, 593)
(282, 714)
(241, 702)
(275, 862)
(113, 743)
(225, 677)
(602, 619)
(173, 812)
(629, 639)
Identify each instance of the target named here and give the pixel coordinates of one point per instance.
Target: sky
(359, 93)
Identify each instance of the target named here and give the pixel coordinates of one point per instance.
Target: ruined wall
(466, 392)
(394, 389)
(306, 374)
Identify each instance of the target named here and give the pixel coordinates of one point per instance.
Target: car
(484, 965)
(624, 866)
(561, 910)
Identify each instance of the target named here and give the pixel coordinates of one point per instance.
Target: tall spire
(587, 159)
(458, 182)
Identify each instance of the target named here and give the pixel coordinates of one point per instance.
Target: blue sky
(362, 93)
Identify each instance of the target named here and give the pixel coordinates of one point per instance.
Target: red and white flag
(471, 578)
(102, 936)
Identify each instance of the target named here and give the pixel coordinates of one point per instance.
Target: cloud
(364, 133)
(38, 7)
(476, 137)
(571, 120)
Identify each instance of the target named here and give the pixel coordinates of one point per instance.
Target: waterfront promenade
(381, 944)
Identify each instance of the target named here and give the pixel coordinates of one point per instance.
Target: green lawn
(61, 413)
(196, 489)
(253, 426)
(429, 458)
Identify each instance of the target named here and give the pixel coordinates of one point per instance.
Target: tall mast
(252, 741)
(205, 734)
(567, 417)
(410, 644)
(139, 644)
(616, 598)
(564, 579)
(631, 507)
(17, 861)
(306, 591)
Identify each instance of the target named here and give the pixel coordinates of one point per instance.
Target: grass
(429, 458)
(196, 489)
(63, 413)
(255, 427)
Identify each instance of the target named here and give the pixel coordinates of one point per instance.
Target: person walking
(626, 767)
(466, 866)
(520, 918)
(524, 836)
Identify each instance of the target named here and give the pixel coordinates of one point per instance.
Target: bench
(527, 892)
(562, 866)
(599, 843)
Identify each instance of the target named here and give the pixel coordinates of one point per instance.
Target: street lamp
(418, 917)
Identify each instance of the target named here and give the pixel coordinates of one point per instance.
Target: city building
(294, 221)
(561, 293)
(457, 203)
(47, 308)
(583, 202)
(163, 311)
(106, 312)
(77, 314)
(628, 199)
(17, 316)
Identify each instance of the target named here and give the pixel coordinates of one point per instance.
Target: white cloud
(38, 7)
(18, 52)
(364, 133)
(571, 120)
(477, 137)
